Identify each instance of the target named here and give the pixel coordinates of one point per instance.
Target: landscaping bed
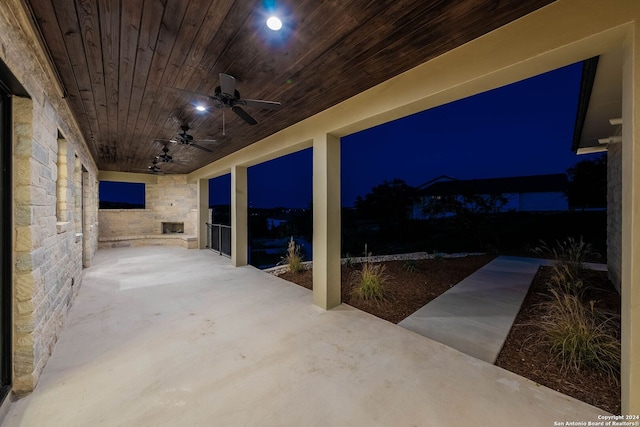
(412, 284)
(524, 354)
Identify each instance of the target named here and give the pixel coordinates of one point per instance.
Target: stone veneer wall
(172, 199)
(50, 243)
(614, 213)
(89, 216)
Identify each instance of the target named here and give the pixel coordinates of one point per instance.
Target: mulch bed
(525, 355)
(412, 284)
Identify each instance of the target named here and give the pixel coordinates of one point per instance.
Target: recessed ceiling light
(201, 108)
(274, 23)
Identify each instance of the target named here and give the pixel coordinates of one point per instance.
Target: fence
(219, 239)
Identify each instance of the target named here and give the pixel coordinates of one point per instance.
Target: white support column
(203, 212)
(239, 202)
(326, 221)
(630, 286)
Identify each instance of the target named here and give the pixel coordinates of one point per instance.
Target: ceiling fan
(227, 96)
(183, 138)
(153, 168)
(164, 157)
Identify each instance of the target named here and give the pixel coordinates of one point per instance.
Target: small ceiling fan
(164, 157)
(227, 96)
(183, 138)
(153, 168)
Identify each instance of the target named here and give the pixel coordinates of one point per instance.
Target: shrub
(570, 251)
(348, 261)
(411, 266)
(568, 271)
(566, 278)
(293, 257)
(581, 334)
(369, 283)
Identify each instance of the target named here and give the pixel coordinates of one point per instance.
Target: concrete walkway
(162, 336)
(475, 316)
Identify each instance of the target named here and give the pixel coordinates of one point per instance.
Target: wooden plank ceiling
(118, 61)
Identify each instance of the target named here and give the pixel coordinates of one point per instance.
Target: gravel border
(279, 269)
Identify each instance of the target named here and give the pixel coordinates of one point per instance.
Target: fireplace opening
(172, 227)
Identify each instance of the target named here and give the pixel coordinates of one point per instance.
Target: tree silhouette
(588, 183)
(388, 203)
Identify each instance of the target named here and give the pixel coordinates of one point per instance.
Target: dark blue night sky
(127, 192)
(522, 129)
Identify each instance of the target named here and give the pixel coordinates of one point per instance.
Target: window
(78, 194)
(121, 195)
(62, 207)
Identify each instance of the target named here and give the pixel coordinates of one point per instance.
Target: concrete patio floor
(173, 337)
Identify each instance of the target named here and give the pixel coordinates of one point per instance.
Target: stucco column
(239, 201)
(630, 286)
(203, 212)
(326, 221)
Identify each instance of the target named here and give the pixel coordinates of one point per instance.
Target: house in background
(276, 221)
(533, 193)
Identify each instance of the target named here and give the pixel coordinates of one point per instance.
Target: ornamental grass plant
(580, 334)
(567, 279)
(369, 283)
(294, 257)
(411, 266)
(569, 250)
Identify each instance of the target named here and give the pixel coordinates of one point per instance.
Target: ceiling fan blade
(244, 115)
(154, 171)
(210, 143)
(227, 84)
(200, 147)
(259, 103)
(188, 92)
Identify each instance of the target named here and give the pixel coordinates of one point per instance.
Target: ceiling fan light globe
(274, 23)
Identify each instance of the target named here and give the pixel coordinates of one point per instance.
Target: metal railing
(219, 239)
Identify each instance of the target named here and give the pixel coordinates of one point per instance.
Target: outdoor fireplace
(172, 227)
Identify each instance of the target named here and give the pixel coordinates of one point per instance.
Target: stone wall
(172, 199)
(614, 213)
(50, 242)
(89, 216)
(126, 222)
